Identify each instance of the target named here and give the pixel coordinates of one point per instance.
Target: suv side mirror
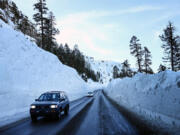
(36, 100)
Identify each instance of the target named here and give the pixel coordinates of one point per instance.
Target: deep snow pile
(26, 71)
(155, 98)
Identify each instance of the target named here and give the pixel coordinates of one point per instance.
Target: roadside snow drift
(26, 71)
(155, 98)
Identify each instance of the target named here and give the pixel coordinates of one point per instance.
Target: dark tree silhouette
(126, 70)
(147, 60)
(40, 18)
(169, 45)
(115, 72)
(136, 51)
(177, 54)
(50, 32)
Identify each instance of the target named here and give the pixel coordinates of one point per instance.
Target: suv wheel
(58, 116)
(33, 118)
(66, 110)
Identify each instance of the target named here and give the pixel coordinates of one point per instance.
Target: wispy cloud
(84, 34)
(95, 13)
(77, 28)
(166, 16)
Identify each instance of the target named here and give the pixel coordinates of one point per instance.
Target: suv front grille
(43, 107)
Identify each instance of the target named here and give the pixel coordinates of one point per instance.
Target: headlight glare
(53, 106)
(33, 106)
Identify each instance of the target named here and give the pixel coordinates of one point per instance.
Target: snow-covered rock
(26, 71)
(105, 68)
(155, 98)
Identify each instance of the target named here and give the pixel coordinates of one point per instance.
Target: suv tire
(58, 116)
(34, 118)
(66, 111)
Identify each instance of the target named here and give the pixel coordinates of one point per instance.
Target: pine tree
(40, 18)
(50, 32)
(169, 44)
(16, 14)
(147, 60)
(53, 31)
(177, 54)
(67, 56)
(77, 60)
(135, 49)
(115, 72)
(3, 4)
(60, 53)
(126, 70)
(24, 25)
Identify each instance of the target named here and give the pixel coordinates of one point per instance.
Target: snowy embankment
(155, 98)
(26, 71)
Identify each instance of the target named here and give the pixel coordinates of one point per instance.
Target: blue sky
(103, 28)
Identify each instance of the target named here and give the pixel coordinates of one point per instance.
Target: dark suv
(50, 104)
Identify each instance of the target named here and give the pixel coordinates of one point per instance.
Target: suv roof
(55, 92)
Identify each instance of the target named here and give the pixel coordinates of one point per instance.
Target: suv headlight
(33, 106)
(53, 106)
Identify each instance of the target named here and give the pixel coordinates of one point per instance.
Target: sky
(103, 28)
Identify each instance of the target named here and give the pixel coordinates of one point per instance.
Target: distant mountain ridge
(104, 67)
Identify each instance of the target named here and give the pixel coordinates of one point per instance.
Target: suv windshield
(49, 97)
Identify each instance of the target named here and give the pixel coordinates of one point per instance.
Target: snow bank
(95, 85)
(153, 97)
(26, 71)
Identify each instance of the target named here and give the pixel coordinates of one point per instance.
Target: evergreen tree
(161, 68)
(60, 53)
(78, 61)
(135, 50)
(67, 56)
(24, 25)
(50, 31)
(53, 31)
(16, 14)
(177, 54)
(40, 18)
(147, 60)
(169, 45)
(3, 4)
(126, 70)
(115, 72)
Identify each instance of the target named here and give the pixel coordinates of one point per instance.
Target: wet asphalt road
(87, 116)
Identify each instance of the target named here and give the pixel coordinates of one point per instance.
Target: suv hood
(44, 103)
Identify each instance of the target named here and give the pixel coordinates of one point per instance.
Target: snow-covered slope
(105, 68)
(153, 97)
(26, 71)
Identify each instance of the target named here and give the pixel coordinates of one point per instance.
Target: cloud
(84, 34)
(166, 16)
(103, 13)
(79, 28)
